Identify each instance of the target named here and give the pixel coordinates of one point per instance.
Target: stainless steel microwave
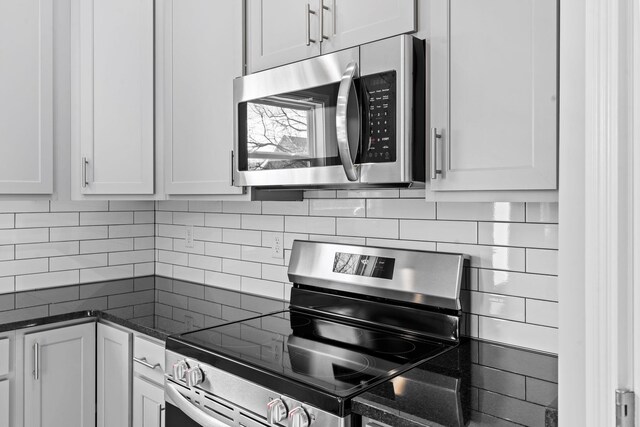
(353, 118)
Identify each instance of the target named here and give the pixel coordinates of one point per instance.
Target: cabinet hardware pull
(231, 168)
(322, 36)
(36, 361)
(85, 182)
(308, 17)
(435, 136)
(143, 362)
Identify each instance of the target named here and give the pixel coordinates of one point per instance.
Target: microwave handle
(344, 91)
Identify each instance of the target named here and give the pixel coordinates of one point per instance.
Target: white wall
(513, 247)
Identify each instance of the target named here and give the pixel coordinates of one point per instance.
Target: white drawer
(148, 359)
(4, 356)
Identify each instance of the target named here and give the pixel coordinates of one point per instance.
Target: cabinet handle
(435, 136)
(308, 17)
(322, 9)
(36, 361)
(85, 182)
(231, 168)
(143, 362)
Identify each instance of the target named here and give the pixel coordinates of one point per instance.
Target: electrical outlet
(188, 237)
(276, 247)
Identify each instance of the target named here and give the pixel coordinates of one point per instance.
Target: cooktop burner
(336, 357)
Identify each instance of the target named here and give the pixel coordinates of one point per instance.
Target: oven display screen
(363, 265)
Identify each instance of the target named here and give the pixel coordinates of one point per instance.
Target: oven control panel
(214, 396)
(379, 133)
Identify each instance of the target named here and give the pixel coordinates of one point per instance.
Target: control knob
(194, 377)
(276, 411)
(298, 417)
(180, 369)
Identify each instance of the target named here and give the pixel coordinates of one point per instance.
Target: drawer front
(4, 356)
(148, 359)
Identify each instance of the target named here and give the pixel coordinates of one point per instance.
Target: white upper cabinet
(114, 107)
(494, 90)
(26, 96)
(59, 377)
(281, 31)
(349, 23)
(203, 54)
(284, 31)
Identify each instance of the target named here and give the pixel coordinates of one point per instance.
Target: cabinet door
(26, 99)
(281, 31)
(59, 377)
(349, 23)
(4, 403)
(203, 55)
(113, 377)
(116, 113)
(148, 404)
(494, 94)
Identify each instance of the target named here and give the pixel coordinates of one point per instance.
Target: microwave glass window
(294, 130)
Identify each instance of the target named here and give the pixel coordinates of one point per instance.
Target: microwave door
(348, 122)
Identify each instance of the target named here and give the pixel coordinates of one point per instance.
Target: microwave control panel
(379, 133)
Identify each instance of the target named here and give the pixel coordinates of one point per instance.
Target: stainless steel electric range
(358, 316)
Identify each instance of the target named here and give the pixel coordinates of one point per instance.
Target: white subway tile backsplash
(542, 261)
(494, 305)
(310, 224)
(366, 227)
(242, 268)
(519, 334)
(79, 233)
(144, 217)
(241, 207)
(141, 243)
(131, 205)
(106, 218)
(402, 244)
(519, 284)
(275, 273)
(523, 235)
(83, 206)
(7, 285)
(132, 257)
(221, 280)
(6, 220)
(24, 206)
(207, 234)
(481, 211)
(7, 253)
(176, 258)
(262, 255)
(493, 257)
(403, 208)
(180, 245)
(106, 245)
(542, 212)
(173, 205)
(188, 218)
(262, 287)
(189, 274)
(263, 222)
(48, 280)
(45, 250)
(337, 207)
(439, 231)
(289, 238)
(144, 269)
(242, 237)
(26, 266)
(205, 206)
(141, 230)
(204, 262)
(337, 239)
(33, 235)
(106, 273)
(222, 220)
(369, 194)
(286, 208)
(223, 250)
(164, 217)
(78, 262)
(542, 312)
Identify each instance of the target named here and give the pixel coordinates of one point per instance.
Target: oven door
(299, 124)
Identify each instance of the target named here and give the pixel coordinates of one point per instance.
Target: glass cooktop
(335, 357)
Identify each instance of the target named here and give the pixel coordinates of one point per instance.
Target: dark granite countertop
(476, 384)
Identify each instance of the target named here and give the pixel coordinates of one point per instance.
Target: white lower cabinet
(113, 375)
(4, 403)
(148, 404)
(59, 377)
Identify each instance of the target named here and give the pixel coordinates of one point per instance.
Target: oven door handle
(342, 121)
(189, 410)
